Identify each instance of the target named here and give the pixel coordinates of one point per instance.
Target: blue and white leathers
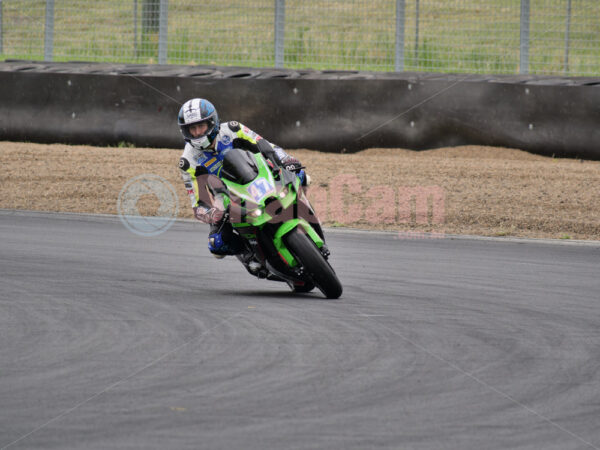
(194, 162)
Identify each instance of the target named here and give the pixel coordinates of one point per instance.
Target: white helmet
(194, 111)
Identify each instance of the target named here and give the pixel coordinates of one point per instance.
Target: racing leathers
(195, 164)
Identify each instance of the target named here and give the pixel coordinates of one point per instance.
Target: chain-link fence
(560, 37)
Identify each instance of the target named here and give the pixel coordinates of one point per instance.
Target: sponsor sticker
(191, 115)
(208, 163)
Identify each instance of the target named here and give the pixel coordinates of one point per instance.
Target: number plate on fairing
(260, 188)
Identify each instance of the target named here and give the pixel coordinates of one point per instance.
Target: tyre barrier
(334, 111)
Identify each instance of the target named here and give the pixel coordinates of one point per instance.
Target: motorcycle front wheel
(315, 265)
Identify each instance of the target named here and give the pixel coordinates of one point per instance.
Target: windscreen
(239, 166)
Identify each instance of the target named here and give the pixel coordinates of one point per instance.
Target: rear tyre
(315, 266)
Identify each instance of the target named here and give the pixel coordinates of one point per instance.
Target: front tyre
(302, 288)
(315, 266)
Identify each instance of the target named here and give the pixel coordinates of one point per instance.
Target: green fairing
(264, 171)
(286, 228)
(240, 190)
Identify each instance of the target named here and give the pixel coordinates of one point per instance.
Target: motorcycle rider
(207, 140)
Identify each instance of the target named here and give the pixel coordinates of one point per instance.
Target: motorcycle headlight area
(256, 213)
(284, 192)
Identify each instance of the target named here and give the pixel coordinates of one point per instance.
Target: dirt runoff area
(464, 190)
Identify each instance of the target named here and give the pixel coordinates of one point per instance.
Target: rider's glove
(212, 215)
(291, 163)
(304, 177)
(215, 216)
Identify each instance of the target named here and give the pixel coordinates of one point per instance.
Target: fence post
(1, 48)
(163, 31)
(49, 31)
(417, 10)
(567, 33)
(524, 46)
(400, 12)
(279, 32)
(135, 28)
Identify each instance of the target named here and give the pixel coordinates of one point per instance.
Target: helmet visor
(198, 129)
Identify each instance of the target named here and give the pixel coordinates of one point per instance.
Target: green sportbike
(268, 208)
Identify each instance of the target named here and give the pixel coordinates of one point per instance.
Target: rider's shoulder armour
(234, 126)
(184, 164)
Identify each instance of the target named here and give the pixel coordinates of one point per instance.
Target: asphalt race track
(112, 340)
